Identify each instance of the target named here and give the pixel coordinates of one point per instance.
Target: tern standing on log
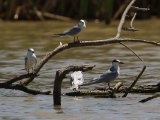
(109, 75)
(30, 60)
(76, 80)
(74, 31)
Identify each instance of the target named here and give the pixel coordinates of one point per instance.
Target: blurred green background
(103, 10)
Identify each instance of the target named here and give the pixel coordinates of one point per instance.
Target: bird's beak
(121, 62)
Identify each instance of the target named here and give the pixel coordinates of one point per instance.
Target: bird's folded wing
(73, 31)
(106, 77)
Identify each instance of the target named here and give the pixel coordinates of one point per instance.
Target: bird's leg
(78, 39)
(28, 71)
(32, 70)
(105, 87)
(109, 85)
(74, 38)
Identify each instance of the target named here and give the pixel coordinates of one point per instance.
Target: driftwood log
(123, 89)
(110, 93)
(149, 98)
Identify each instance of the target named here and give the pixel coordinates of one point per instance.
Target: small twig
(149, 98)
(135, 81)
(142, 9)
(131, 28)
(133, 18)
(132, 51)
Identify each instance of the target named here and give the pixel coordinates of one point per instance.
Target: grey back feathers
(109, 75)
(74, 30)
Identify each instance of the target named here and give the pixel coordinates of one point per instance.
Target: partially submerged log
(110, 93)
(123, 89)
(149, 98)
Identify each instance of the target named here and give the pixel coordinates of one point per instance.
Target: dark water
(17, 37)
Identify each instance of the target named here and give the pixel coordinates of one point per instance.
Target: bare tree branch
(149, 98)
(15, 79)
(123, 19)
(24, 89)
(131, 28)
(135, 81)
(142, 9)
(133, 18)
(132, 51)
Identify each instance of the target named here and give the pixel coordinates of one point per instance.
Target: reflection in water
(16, 38)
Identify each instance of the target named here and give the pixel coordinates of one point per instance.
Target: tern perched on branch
(109, 75)
(30, 60)
(74, 31)
(76, 80)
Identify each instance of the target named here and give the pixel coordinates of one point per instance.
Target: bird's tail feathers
(91, 82)
(58, 34)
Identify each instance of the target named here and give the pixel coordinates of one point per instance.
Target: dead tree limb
(132, 51)
(149, 98)
(60, 75)
(24, 89)
(15, 79)
(135, 81)
(131, 28)
(133, 18)
(138, 8)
